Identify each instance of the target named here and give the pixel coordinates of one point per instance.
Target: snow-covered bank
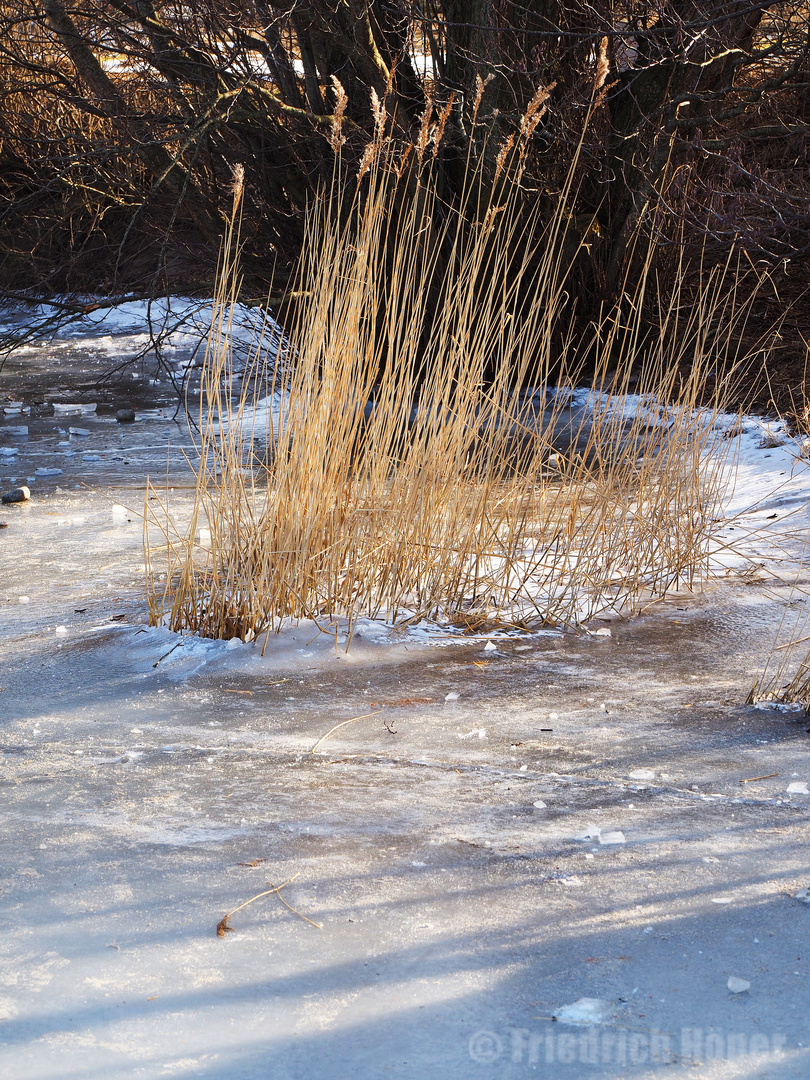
(180, 320)
(164, 338)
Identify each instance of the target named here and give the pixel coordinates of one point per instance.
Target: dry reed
(785, 676)
(405, 475)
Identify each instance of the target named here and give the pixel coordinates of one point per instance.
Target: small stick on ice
(753, 779)
(343, 723)
(292, 909)
(222, 926)
(169, 653)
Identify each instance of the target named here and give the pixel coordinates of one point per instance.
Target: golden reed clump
(406, 474)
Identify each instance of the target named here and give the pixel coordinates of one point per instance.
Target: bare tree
(121, 121)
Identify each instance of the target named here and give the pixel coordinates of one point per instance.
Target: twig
(169, 653)
(751, 779)
(292, 909)
(343, 723)
(222, 925)
(790, 644)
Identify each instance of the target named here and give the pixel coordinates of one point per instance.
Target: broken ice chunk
(738, 986)
(616, 837)
(803, 895)
(72, 408)
(584, 1011)
(798, 787)
(591, 833)
(490, 647)
(48, 472)
(78, 431)
(539, 804)
(452, 696)
(642, 774)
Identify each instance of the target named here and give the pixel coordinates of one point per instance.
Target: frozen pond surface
(568, 836)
